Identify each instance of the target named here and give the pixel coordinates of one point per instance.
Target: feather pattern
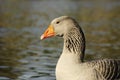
(108, 68)
(76, 42)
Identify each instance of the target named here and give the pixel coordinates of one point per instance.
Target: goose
(71, 64)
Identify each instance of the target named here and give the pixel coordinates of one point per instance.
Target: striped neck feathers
(74, 42)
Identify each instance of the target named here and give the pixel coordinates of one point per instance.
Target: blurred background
(23, 56)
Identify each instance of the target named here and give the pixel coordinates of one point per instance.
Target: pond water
(23, 56)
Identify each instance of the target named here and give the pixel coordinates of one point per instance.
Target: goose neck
(74, 43)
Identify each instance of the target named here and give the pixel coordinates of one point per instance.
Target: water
(23, 56)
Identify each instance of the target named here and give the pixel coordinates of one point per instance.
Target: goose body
(71, 65)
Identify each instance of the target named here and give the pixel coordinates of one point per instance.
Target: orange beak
(48, 33)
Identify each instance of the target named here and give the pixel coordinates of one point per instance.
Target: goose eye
(57, 22)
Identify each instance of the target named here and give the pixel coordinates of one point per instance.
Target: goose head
(69, 29)
(59, 27)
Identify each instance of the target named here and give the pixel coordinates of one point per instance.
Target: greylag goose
(71, 65)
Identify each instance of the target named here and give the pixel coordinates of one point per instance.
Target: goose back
(108, 68)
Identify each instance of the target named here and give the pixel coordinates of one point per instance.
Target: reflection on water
(24, 57)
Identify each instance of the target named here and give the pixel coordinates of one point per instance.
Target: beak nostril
(47, 32)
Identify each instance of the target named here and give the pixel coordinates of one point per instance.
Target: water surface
(23, 56)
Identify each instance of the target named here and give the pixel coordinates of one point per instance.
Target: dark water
(24, 57)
